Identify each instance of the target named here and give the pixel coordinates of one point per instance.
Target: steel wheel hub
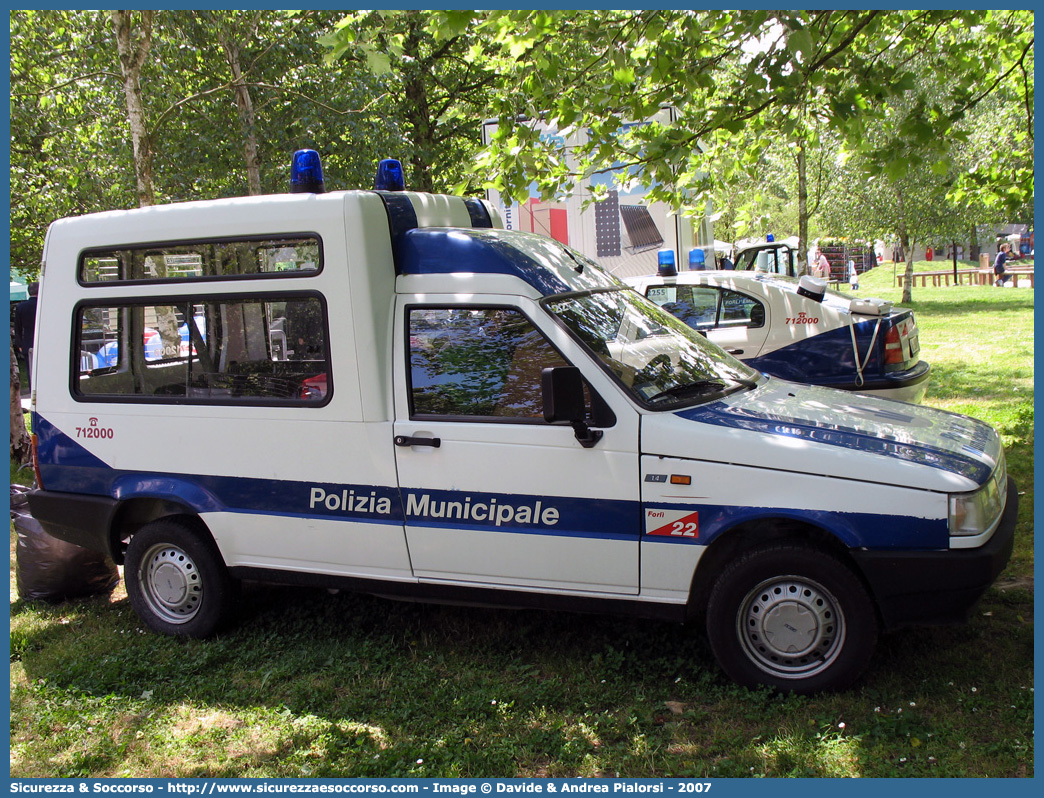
(791, 627)
(171, 583)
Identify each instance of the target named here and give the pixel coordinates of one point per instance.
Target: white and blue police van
(387, 392)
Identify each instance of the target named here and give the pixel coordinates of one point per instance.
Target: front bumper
(938, 587)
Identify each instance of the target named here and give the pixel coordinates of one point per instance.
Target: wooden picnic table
(974, 276)
(1017, 273)
(942, 277)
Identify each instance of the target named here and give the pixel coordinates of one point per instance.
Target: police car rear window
(201, 260)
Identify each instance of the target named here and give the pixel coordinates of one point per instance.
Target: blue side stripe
(68, 468)
(854, 530)
(54, 446)
(725, 415)
(545, 515)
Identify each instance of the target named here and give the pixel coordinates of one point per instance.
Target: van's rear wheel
(176, 580)
(792, 618)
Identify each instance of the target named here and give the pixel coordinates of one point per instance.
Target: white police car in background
(798, 329)
(386, 391)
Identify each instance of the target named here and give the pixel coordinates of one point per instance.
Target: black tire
(791, 618)
(176, 579)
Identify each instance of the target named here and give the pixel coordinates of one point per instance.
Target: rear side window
(213, 259)
(223, 350)
(740, 310)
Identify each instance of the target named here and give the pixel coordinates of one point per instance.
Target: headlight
(979, 512)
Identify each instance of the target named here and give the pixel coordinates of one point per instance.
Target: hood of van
(812, 430)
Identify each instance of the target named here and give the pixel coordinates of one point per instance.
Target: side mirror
(563, 394)
(563, 390)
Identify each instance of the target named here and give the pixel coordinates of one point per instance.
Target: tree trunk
(802, 267)
(20, 449)
(417, 108)
(132, 55)
(907, 242)
(247, 119)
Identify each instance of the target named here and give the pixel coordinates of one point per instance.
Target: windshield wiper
(697, 388)
(745, 382)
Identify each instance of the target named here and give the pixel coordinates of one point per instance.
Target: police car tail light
(893, 346)
(306, 173)
(389, 176)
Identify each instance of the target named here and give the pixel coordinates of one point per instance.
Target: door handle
(734, 351)
(408, 440)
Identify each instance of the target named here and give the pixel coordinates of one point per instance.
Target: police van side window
(477, 362)
(211, 259)
(204, 351)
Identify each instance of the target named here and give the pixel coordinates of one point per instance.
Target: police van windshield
(659, 359)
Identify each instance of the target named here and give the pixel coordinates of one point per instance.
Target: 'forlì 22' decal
(672, 523)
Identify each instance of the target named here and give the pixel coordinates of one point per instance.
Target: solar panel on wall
(641, 228)
(607, 226)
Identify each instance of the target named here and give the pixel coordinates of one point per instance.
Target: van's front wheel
(177, 582)
(792, 618)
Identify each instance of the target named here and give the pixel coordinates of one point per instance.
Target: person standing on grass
(998, 265)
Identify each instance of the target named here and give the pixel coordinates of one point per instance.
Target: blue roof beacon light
(770, 238)
(666, 263)
(389, 176)
(697, 259)
(306, 173)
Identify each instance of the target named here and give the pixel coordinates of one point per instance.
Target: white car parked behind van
(798, 329)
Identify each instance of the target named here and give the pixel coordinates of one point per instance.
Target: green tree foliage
(744, 82)
(71, 146)
(761, 196)
(438, 75)
(218, 59)
(762, 97)
(894, 186)
(70, 152)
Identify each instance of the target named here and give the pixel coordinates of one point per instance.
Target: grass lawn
(310, 684)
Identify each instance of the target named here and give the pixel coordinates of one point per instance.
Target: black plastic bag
(50, 569)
